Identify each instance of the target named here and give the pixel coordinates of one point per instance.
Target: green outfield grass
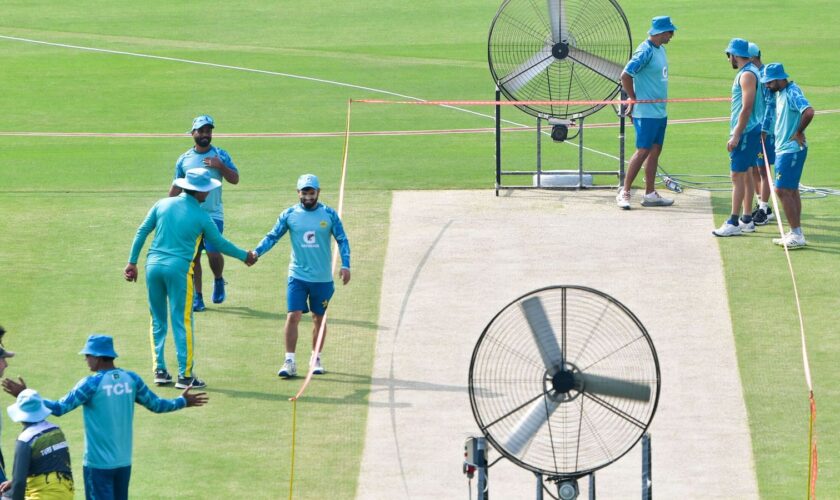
(70, 207)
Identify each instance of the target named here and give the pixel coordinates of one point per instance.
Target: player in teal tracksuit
(179, 223)
(108, 398)
(310, 286)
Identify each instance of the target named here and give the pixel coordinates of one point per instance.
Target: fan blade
(528, 426)
(604, 67)
(606, 386)
(558, 20)
(550, 351)
(528, 70)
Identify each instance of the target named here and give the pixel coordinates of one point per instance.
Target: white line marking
(241, 68)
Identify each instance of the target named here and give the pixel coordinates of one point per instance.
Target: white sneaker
(318, 369)
(746, 227)
(622, 199)
(791, 241)
(289, 369)
(654, 200)
(728, 229)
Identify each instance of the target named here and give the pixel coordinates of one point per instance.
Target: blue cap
(307, 181)
(774, 71)
(738, 47)
(99, 345)
(661, 24)
(198, 179)
(754, 50)
(201, 121)
(29, 407)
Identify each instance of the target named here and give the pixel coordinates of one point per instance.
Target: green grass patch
(71, 205)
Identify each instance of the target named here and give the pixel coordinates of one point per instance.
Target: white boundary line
(239, 68)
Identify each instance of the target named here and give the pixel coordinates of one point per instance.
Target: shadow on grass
(277, 316)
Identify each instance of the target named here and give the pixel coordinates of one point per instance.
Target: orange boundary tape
(541, 103)
(812, 436)
(320, 340)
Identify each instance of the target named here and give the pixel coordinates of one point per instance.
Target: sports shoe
(219, 290)
(727, 229)
(759, 216)
(162, 377)
(791, 241)
(622, 199)
(318, 369)
(654, 200)
(746, 227)
(194, 382)
(770, 215)
(198, 303)
(289, 369)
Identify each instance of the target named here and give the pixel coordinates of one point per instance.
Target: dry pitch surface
(455, 258)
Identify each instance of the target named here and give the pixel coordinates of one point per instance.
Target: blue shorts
(307, 295)
(789, 169)
(770, 147)
(649, 131)
(207, 246)
(744, 155)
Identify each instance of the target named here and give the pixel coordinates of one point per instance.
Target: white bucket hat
(198, 179)
(28, 408)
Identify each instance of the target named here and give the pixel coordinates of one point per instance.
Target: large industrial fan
(558, 50)
(564, 381)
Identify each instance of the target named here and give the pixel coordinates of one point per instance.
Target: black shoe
(760, 217)
(162, 377)
(194, 382)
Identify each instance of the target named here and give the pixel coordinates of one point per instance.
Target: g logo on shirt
(664, 72)
(309, 237)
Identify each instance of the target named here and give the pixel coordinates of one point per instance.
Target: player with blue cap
(744, 138)
(793, 115)
(221, 167)
(762, 213)
(310, 287)
(645, 77)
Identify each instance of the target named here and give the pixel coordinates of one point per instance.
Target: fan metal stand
(475, 463)
(558, 179)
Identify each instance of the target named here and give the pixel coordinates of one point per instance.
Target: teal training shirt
(193, 159)
(790, 103)
(309, 232)
(109, 397)
(649, 68)
(178, 222)
(769, 120)
(738, 104)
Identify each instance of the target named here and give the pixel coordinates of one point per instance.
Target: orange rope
(541, 103)
(812, 436)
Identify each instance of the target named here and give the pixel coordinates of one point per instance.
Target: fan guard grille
(586, 432)
(519, 51)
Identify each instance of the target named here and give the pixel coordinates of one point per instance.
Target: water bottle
(672, 184)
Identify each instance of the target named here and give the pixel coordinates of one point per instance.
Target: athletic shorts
(649, 131)
(770, 147)
(743, 156)
(206, 245)
(789, 169)
(307, 295)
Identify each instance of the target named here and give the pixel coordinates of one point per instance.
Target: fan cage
(583, 434)
(521, 29)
